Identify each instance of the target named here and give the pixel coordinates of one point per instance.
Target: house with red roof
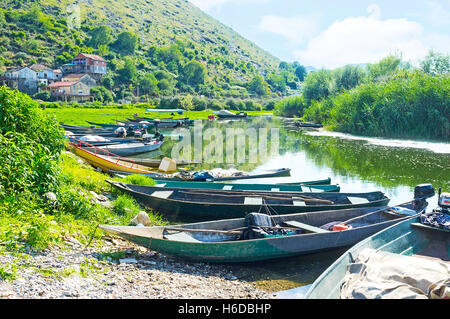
(70, 91)
(94, 65)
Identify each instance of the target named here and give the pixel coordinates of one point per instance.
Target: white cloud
(364, 39)
(296, 30)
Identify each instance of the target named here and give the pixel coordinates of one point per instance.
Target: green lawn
(79, 116)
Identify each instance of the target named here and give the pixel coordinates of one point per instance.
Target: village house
(58, 74)
(91, 64)
(72, 81)
(30, 79)
(82, 77)
(70, 91)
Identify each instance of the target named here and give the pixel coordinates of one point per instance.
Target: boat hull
(196, 210)
(108, 164)
(128, 149)
(406, 238)
(257, 249)
(250, 187)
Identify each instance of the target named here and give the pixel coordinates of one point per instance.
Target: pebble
(87, 274)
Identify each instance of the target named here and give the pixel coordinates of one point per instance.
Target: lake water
(357, 164)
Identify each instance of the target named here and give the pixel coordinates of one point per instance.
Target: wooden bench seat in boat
(306, 227)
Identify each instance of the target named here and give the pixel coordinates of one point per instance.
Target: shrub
(290, 107)
(30, 145)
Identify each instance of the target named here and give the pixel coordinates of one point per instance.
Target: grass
(80, 116)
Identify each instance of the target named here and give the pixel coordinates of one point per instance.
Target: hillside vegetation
(153, 48)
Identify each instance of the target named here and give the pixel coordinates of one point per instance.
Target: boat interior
(255, 197)
(292, 224)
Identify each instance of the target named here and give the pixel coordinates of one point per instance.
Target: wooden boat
(156, 123)
(406, 244)
(409, 238)
(179, 111)
(115, 164)
(306, 124)
(325, 181)
(105, 134)
(296, 234)
(183, 120)
(203, 204)
(108, 162)
(225, 114)
(209, 178)
(98, 140)
(106, 125)
(149, 162)
(128, 149)
(249, 187)
(95, 129)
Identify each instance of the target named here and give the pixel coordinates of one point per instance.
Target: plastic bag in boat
(202, 176)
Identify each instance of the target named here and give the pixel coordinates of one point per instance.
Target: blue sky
(330, 34)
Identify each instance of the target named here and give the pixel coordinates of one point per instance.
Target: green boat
(250, 187)
(204, 176)
(411, 245)
(206, 204)
(261, 237)
(325, 181)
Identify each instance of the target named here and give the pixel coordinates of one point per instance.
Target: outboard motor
(121, 131)
(444, 202)
(421, 193)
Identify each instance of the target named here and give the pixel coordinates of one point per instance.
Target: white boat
(128, 149)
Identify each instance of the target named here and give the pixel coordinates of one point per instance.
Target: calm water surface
(357, 164)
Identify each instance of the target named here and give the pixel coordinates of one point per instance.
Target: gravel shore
(95, 273)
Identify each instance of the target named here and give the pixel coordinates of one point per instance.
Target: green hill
(168, 35)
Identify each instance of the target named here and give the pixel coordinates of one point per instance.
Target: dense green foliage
(290, 107)
(409, 104)
(30, 145)
(388, 98)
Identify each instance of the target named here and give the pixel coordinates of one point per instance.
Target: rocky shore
(118, 270)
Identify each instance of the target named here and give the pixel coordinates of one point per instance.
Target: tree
(435, 63)
(126, 43)
(259, 86)
(187, 103)
(102, 94)
(169, 54)
(148, 83)
(301, 73)
(290, 106)
(108, 82)
(43, 95)
(100, 35)
(126, 74)
(317, 86)
(194, 73)
(387, 66)
(2, 18)
(347, 77)
(277, 81)
(164, 85)
(283, 66)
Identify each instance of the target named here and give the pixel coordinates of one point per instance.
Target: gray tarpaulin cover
(378, 274)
